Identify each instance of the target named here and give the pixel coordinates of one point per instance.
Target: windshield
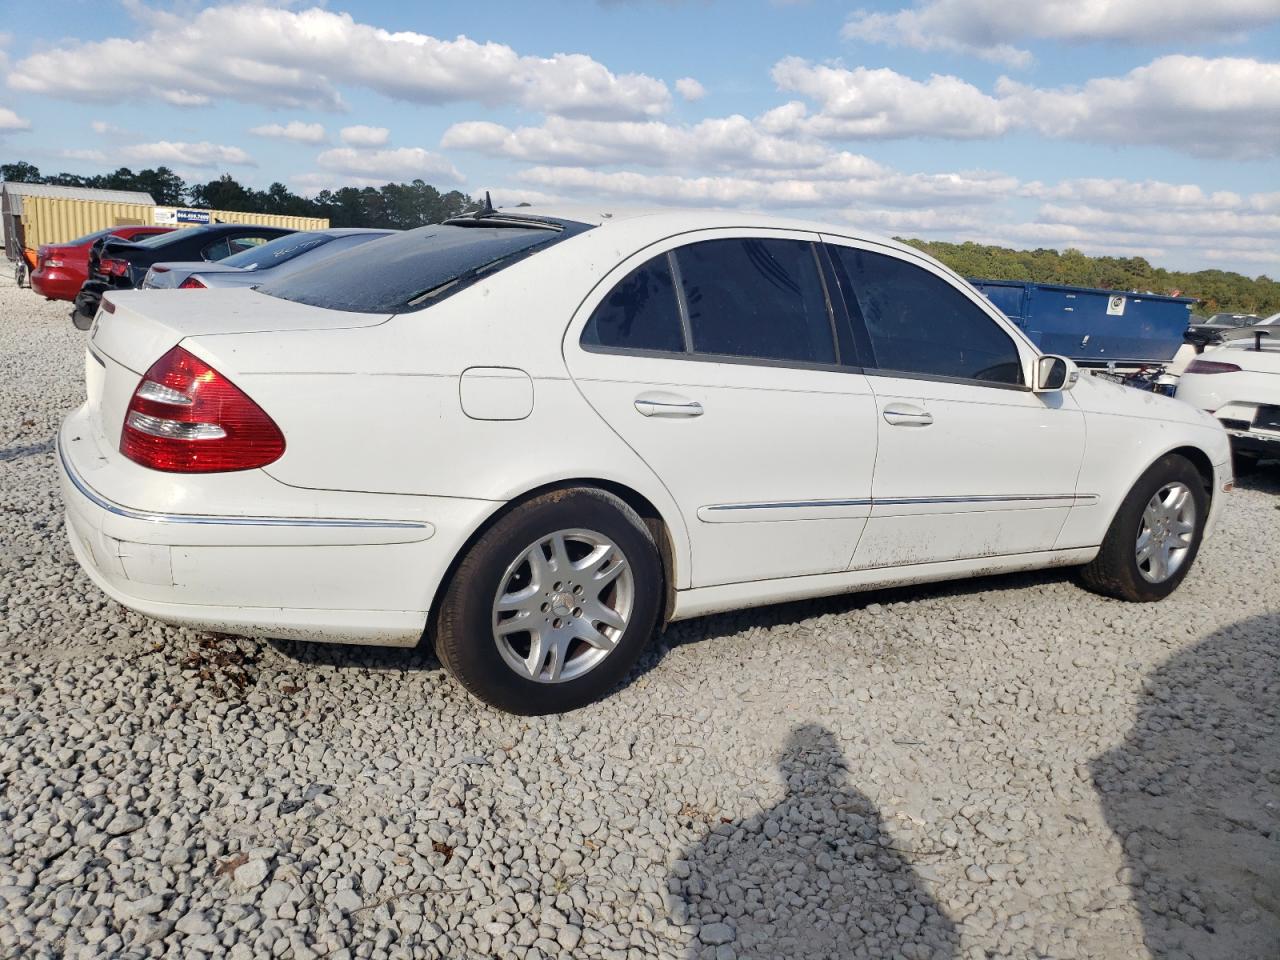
(280, 250)
(412, 270)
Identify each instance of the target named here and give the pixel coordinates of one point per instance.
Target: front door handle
(906, 415)
(661, 404)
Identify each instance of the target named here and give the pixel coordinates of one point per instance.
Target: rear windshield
(280, 250)
(412, 270)
(88, 237)
(159, 239)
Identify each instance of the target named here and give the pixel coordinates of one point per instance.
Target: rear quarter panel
(378, 409)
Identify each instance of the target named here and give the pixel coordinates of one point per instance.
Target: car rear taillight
(193, 283)
(185, 417)
(1199, 365)
(114, 268)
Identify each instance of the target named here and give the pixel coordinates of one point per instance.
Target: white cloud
(280, 57)
(92, 156)
(102, 128)
(723, 142)
(362, 136)
(11, 122)
(1224, 107)
(294, 130)
(1220, 107)
(404, 163)
(203, 154)
(864, 104)
(690, 89)
(1175, 225)
(878, 186)
(986, 28)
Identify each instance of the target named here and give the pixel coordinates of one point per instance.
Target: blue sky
(1133, 127)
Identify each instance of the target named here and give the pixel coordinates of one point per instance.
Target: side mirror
(1055, 373)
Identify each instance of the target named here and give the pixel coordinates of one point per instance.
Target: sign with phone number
(172, 216)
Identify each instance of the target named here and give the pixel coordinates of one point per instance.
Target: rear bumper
(57, 283)
(337, 578)
(1248, 441)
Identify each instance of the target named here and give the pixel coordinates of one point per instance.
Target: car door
(971, 462)
(718, 361)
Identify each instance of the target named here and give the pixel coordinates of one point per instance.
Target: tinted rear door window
(919, 323)
(640, 313)
(756, 298)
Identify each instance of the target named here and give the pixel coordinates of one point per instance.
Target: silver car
(276, 258)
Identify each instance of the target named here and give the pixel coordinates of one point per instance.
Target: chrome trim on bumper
(151, 517)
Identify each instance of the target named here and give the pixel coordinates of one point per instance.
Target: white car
(1239, 383)
(535, 436)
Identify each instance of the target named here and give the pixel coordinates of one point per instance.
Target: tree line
(1217, 290)
(397, 206)
(405, 205)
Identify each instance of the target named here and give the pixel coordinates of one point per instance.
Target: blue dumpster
(1093, 327)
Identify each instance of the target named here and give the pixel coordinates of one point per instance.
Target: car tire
(496, 585)
(1119, 570)
(81, 320)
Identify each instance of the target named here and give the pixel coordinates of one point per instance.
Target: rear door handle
(661, 404)
(906, 415)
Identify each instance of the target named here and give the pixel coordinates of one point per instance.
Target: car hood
(1099, 396)
(136, 327)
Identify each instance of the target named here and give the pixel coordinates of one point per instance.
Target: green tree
(20, 172)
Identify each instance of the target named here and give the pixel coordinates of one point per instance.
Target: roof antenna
(487, 210)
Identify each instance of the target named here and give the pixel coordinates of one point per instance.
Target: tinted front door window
(756, 298)
(919, 323)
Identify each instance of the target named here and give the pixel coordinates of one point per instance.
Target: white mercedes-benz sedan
(1239, 383)
(534, 436)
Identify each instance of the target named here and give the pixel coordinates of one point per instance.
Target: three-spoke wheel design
(562, 605)
(1166, 532)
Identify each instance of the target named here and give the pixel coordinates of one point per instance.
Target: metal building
(13, 198)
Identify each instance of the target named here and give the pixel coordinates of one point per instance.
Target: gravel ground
(1000, 768)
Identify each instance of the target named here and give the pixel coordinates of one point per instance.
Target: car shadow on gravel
(815, 876)
(423, 657)
(721, 625)
(1265, 478)
(348, 656)
(1193, 793)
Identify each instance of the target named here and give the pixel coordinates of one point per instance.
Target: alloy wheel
(562, 605)
(1166, 532)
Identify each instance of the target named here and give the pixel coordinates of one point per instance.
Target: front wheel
(553, 604)
(1155, 535)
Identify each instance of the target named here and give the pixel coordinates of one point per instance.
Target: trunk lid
(136, 327)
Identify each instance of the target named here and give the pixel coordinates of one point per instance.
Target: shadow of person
(1193, 793)
(812, 877)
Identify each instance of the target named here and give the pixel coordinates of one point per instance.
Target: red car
(62, 268)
